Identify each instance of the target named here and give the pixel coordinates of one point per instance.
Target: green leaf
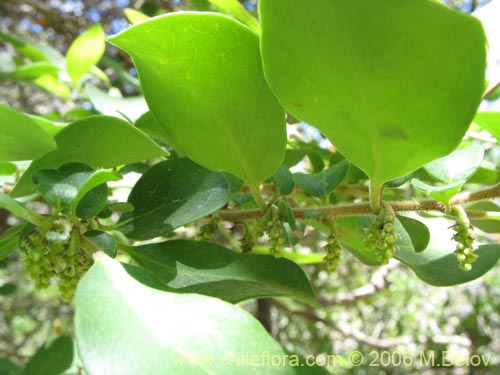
(286, 213)
(7, 169)
(51, 127)
(28, 72)
(9, 240)
(98, 141)
(489, 121)
(442, 193)
(391, 96)
(220, 113)
(322, 183)
(18, 210)
(103, 241)
(148, 124)
(459, 165)
(205, 268)
(418, 232)
(20, 137)
(85, 52)
(130, 108)
(238, 11)
(438, 266)
(53, 85)
(80, 203)
(134, 16)
(167, 333)
(7, 367)
(53, 358)
(171, 194)
(283, 181)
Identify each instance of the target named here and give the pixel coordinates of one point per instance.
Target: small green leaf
(221, 113)
(20, 137)
(238, 11)
(117, 315)
(9, 240)
(286, 213)
(204, 268)
(130, 108)
(149, 125)
(7, 289)
(363, 82)
(322, 183)
(98, 141)
(53, 358)
(171, 194)
(459, 165)
(18, 210)
(438, 265)
(97, 178)
(28, 72)
(489, 121)
(442, 193)
(85, 52)
(418, 232)
(7, 169)
(283, 181)
(103, 241)
(134, 16)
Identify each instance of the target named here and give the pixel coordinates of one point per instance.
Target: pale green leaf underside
(202, 78)
(124, 327)
(391, 95)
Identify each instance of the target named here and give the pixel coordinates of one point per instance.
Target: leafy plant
(207, 138)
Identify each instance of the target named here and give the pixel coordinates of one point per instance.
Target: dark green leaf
(204, 268)
(6, 289)
(286, 213)
(322, 183)
(98, 141)
(53, 358)
(116, 316)
(171, 194)
(7, 367)
(363, 81)
(220, 113)
(102, 240)
(283, 181)
(418, 232)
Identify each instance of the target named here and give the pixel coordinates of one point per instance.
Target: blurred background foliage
(365, 309)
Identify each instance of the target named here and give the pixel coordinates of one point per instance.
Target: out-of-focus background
(383, 310)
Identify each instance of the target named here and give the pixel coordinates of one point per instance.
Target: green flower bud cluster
(251, 234)
(333, 250)
(276, 233)
(51, 255)
(208, 231)
(465, 237)
(382, 238)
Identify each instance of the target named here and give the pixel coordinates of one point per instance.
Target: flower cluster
(464, 237)
(333, 250)
(382, 237)
(208, 231)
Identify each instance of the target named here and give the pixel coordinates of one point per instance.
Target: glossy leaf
(103, 241)
(363, 82)
(53, 358)
(171, 194)
(418, 232)
(489, 121)
(205, 268)
(116, 316)
(441, 193)
(20, 137)
(85, 52)
(459, 165)
(322, 183)
(202, 78)
(98, 141)
(130, 108)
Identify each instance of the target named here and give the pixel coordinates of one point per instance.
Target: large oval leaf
(171, 194)
(124, 327)
(202, 78)
(391, 96)
(205, 268)
(20, 137)
(99, 142)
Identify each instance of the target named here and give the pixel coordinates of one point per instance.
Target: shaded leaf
(322, 183)
(53, 358)
(441, 193)
(418, 232)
